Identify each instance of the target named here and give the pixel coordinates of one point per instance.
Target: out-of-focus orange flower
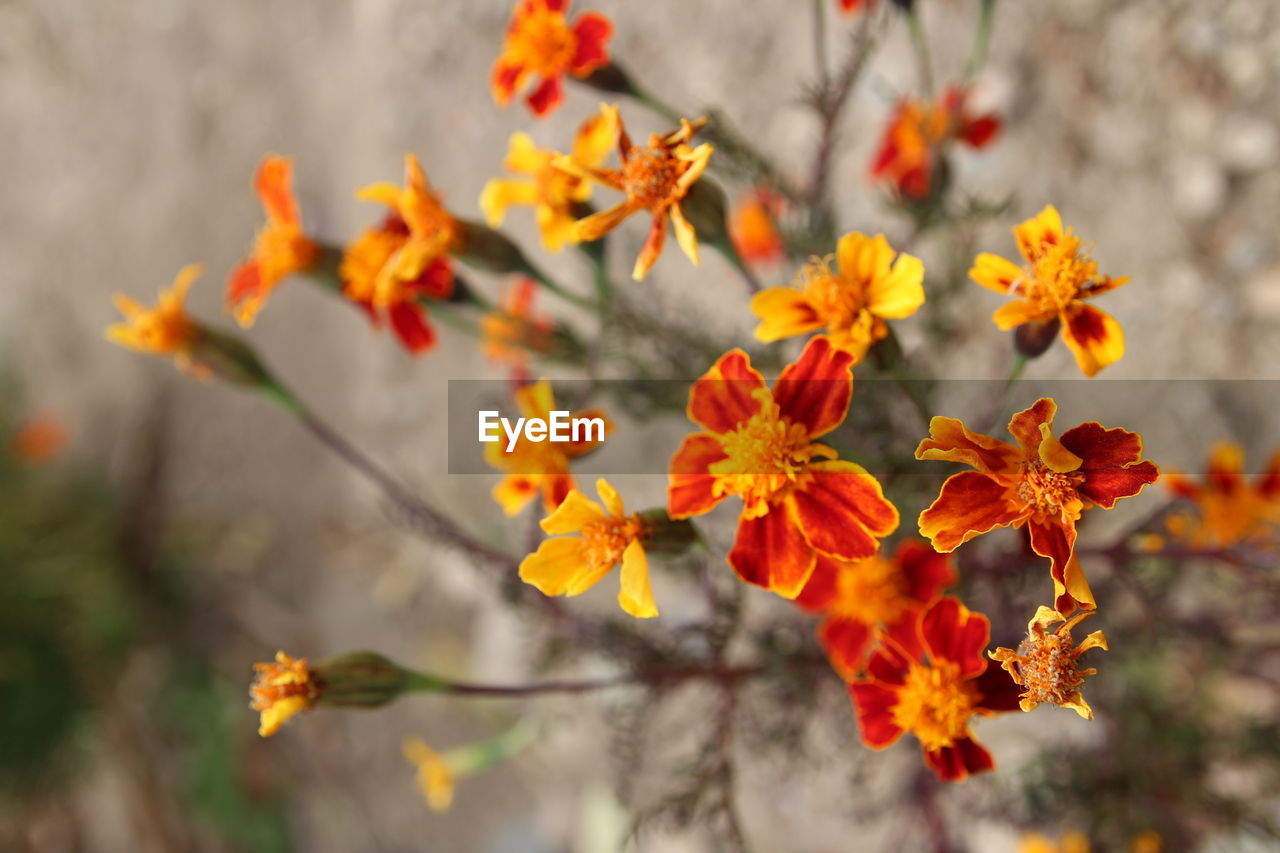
(592, 540)
(542, 43)
(935, 691)
(851, 302)
(281, 689)
(1047, 664)
(849, 7)
(280, 249)
(539, 466)
(388, 270)
(916, 138)
(857, 597)
(165, 329)
(1052, 286)
(39, 439)
(553, 192)
(1232, 509)
(437, 775)
(1043, 483)
(514, 331)
(753, 229)
(655, 178)
(1072, 842)
(798, 500)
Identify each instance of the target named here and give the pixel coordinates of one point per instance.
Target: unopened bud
(1032, 339)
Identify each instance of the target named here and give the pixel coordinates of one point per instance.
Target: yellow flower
(1051, 288)
(437, 775)
(1046, 665)
(553, 192)
(593, 540)
(1072, 842)
(656, 178)
(281, 690)
(851, 302)
(165, 329)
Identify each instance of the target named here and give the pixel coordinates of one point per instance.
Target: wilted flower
(850, 302)
(917, 135)
(281, 690)
(798, 500)
(1047, 664)
(280, 249)
(1043, 483)
(541, 43)
(1051, 287)
(1232, 510)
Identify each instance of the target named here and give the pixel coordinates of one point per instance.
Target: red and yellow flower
(542, 43)
(514, 331)
(851, 302)
(655, 178)
(1232, 510)
(916, 138)
(554, 193)
(389, 269)
(538, 466)
(281, 690)
(1052, 286)
(1047, 664)
(165, 329)
(280, 249)
(1042, 483)
(857, 597)
(591, 541)
(799, 501)
(753, 228)
(935, 691)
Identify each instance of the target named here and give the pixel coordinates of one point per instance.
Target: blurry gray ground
(130, 133)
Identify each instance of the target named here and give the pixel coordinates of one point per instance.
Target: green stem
(915, 22)
(538, 275)
(981, 41)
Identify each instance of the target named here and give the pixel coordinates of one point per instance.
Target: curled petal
(1110, 462)
(1095, 338)
(575, 512)
(771, 552)
(951, 441)
(725, 396)
(969, 504)
(690, 490)
(1071, 587)
(815, 390)
(652, 247)
(1026, 425)
(1039, 233)
(1057, 542)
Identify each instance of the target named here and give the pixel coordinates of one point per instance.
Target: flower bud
(484, 248)
(665, 535)
(359, 680)
(1032, 339)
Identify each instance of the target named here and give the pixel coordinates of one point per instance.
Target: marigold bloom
(281, 690)
(1232, 510)
(857, 597)
(1052, 286)
(437, 775)
(1042, 483)
(753, 230)
(592, 540)
(538, 466)
(798, 500)
(39, 439)
(165, 329)
(555, 194)
(917, 134)
(935, 691)
(541, 42)
(514, 331)
(655, 178)
(389, 269)
(280, 249)
(1047, 664)
(851, 302)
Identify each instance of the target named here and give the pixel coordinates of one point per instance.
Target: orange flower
(389, 269)
(850, 302)
(1042, 483)
(38, 440)
(514, 331)
(856, 597)
(1046, 665)
(654, 178)
(555, 194)
(538, 466)
(752, 228)
(935, 690)
(165, 329)
(541, 42)
(917, 135)
(1232, 510)
(281, 690)
(851, 6)
(798, 501)
(605, 537)
(280, 248)
(1051, 288)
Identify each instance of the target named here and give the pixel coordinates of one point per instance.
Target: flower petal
(954, 633)
(784, 312)
(272, 184)
(815, 390)
(997, 692)
(636, 595)
(725, 396)
(409, 321)
(874, 704)
(1110, 462)
(863, 259)
(969, 504)
(686, 237)
(575, 512)
(1095, 338)
(900, 293)
(592, 31)
(996, 273)
(690, 490)
(846, 642)
(927, 572)
(610, 498)
(1019, 313)
(1025, 425)
(1039, 232)
(842, 510)
(1057, 542)
(555, 566)
(822, 587)
(951, 441)
(547, 96)
(771, 552)
(1071, 587)
(959, 761)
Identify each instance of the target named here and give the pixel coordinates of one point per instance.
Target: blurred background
(183, 530)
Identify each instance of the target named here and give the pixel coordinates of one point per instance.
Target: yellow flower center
(281, 250)
(604, 541)
(839, 299)
(935, 704)
(1059, 276)
(1048, 670)
(765, 455)
(650, 175)
(543, 42)
(872, 591)
(1049, 492)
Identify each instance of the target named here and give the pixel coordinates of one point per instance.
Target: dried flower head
(1047, 663)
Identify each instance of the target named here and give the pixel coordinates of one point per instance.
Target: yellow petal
(636, 596)
(597, 225)
(1095, 338)
(609, 495)
(555, 566)
(1075, 584)
(500, 193)
(1045, 226)
(685, 235)
(901, 292)
(784, 312)
(1015, 314)
(536, 400)
(1054, 454)
(996, 273)
(514, 493)
(574, 513)
(1096, 640)
(597, 136)
(381, 193)
(524, 156)
(863, 259)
